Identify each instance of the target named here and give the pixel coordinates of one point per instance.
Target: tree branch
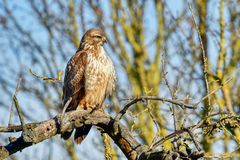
(133, 150)
(38, 132)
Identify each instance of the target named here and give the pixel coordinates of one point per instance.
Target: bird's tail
(81, 133)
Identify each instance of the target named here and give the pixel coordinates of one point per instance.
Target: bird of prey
(89, 78)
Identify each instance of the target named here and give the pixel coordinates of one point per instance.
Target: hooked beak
(104, 39)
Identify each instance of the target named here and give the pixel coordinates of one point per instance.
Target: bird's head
(94, 36)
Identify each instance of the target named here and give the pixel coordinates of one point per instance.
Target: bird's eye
(98, 36)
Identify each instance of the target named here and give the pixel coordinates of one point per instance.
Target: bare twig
(15, 94)
(173, 95)
(197, 145)
(200, 124)
(212, 92)
(170, 136)
(19, 113)
(204, 59)
(180, 103)
(125, 108)
(48, 79)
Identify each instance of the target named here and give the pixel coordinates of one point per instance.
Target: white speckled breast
(99, 78)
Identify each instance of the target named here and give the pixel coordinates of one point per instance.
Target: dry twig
(204, 59)
(15, 94)
(48, 79)
(19, 113)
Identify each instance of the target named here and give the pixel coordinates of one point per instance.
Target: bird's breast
(97, 71)
(96, 78)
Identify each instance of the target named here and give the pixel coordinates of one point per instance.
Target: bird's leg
(96, 108)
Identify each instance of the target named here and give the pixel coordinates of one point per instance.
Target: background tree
(157, 50)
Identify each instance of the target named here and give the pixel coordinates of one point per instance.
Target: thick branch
(37, 132)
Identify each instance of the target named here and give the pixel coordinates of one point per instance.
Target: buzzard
(89, 78)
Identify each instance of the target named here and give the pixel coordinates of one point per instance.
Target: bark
(37, 132)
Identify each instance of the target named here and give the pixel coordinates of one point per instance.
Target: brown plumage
(89, 78)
